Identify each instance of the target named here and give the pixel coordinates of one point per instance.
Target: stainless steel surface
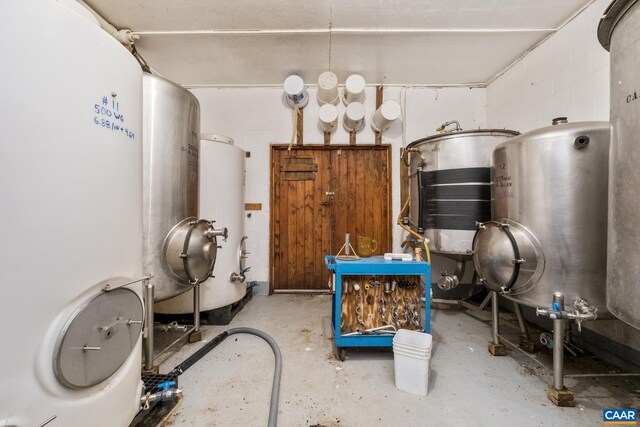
(170, 156)
(558, 354)
(495, 259)
(97, 339)
(551, 192)
(620, 32)
(190, 251)
(451, 150)
(112, 286)
(558, 343)
(495, 317)
(196, 308)
(242, 255)
(147, 289)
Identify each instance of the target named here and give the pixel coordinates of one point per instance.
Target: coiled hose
(275, 388)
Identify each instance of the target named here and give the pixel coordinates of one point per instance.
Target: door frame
(318, 147)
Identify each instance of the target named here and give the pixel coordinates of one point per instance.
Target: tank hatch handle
(516, 262)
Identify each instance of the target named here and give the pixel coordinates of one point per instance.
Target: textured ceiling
(392, 41)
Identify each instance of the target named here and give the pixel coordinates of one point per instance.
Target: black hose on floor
(275, 388)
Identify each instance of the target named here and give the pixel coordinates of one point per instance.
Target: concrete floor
(231, 385)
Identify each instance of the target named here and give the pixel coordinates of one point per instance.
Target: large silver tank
(178, 248)
(449, 186)
(619, 32)
(549, 227)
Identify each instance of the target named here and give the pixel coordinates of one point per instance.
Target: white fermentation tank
(222, 182)
(71, 205)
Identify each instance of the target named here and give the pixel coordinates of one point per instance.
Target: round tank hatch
(190, 250)
(98, 338)
(507, 257)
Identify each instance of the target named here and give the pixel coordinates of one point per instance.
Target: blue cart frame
(378, 266)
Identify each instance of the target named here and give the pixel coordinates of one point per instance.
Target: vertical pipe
(196, 308)
(495, 312)
(558, 343)
(558, 354)
(148, 331)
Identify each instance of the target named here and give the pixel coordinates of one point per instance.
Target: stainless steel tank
(619, 32)
(178, 248)
(449, 186)
(549, 208)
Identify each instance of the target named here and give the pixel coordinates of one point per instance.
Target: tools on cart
(374, 298)
(370, 298)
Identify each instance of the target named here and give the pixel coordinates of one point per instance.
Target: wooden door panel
(362, 187)
(307, 224)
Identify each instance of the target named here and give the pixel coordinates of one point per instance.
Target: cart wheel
(341, 354)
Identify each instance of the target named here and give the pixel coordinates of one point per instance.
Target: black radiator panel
(454, 199)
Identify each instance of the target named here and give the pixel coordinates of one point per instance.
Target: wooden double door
(317, 195)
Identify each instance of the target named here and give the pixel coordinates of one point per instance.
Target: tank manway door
(98, 338)
(191, 249)
(507, 257)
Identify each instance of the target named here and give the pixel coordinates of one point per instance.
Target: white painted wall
(567, 75)
(258, 117)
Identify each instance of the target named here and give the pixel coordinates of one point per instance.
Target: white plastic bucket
(411, 360)
(354, 89)
(328, 118)
(383, 117)
(353, 119)
(328, 88)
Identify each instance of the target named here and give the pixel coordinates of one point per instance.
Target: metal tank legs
(582, 311)
(495, 347)
(147, 331)
(557, 392)
(196, 334)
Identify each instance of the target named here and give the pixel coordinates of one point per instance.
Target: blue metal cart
(372, 266)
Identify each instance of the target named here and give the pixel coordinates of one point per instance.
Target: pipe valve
(582, 311)
(222, 232)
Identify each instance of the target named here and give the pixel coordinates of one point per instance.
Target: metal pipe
(558, 343)
(558, 354)
(176, 341)
(631, 374)
(495, 327)
(148, 291)
(196, 308)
